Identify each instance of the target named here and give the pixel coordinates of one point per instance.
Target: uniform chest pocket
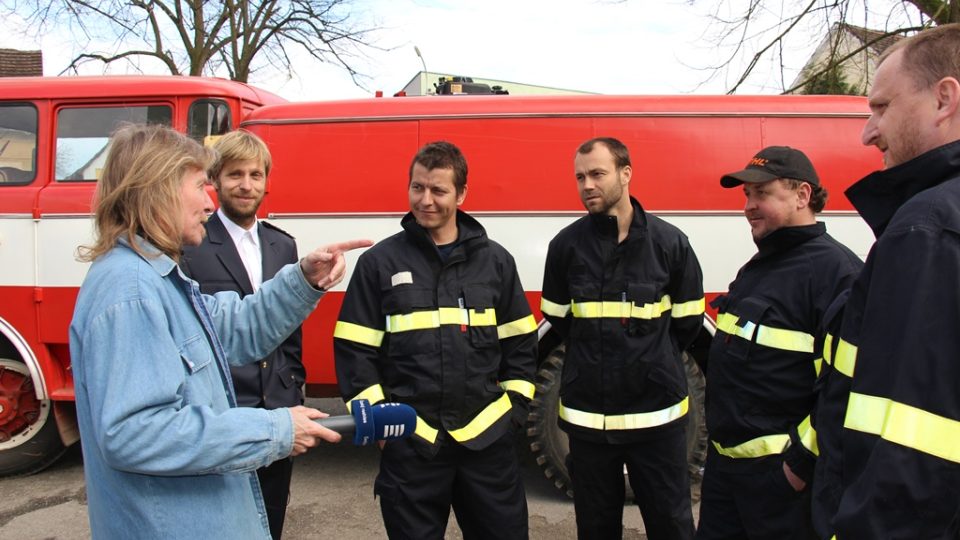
(478, 301)
(585, 325)
(644, 308)
(741, 326)
(411, 320)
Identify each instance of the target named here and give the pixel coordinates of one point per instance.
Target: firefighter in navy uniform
(625, 290)
(888, 417)
(435, 317)
(765, 355)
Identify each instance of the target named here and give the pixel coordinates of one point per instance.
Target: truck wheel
(29, 439)
(549, 443)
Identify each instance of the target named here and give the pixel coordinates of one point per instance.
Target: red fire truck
(340, 169)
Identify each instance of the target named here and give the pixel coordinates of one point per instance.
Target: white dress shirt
(248, 246)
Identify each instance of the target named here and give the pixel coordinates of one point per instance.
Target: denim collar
(161, 263)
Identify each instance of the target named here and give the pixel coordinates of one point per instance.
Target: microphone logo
(394, 431)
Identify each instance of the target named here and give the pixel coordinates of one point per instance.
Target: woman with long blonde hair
(167, 454)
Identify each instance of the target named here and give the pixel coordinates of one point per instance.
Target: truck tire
(548, 442)
(29, 438)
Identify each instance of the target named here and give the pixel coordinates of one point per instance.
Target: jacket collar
(879, 195)
(606, 225)
(786, 238)
(469, 231)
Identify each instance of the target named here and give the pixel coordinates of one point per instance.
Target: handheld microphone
(369, 423)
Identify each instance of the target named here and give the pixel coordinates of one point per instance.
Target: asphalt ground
(331, 497)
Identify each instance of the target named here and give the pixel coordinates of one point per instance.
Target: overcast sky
(604, 46)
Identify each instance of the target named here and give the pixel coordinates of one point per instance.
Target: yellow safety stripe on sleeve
(557, 310)
(620, 310)
(686, 309)
(846, 358)
(518, 327)
(425, 431)
(818, 366)
(423, 320)
(482, 421)
(625, 421)
(373, 394)
(828, 349)
(776, 338)
(905, 425)
(524, 388)
(808, 436)
(358, 334)
(767, 445)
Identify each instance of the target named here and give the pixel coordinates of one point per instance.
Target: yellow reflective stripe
(904, 425)
(358, 334)
(727, 322)
(373, 394)
(761, 446)
(482, 421)
(596, 310)
(486, 317)
(425, 431)
(423, 320)
(808, 436)
(651, 311)
(788, 340)
(828, 349)
(686, 309)
(777, 338)
(624, 421)
(557, 310)
(518, 327)
(846, 359)
(620, 310)
(818, 366)
(524, 388)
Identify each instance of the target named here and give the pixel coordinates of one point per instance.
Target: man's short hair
(621, 156)
(930, 55)
(239, 145)
(818, 193)
(442, 155)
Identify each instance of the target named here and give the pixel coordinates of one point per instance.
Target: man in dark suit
(238, 254)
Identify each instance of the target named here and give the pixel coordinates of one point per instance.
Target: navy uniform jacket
(889, 413)
(627, 310)
(765, 354)
(452, 338)
(277, 379)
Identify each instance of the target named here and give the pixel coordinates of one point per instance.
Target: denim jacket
(167, 454)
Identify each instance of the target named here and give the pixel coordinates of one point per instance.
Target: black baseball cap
(771, 163)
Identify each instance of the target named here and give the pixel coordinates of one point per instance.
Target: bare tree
(759, 32)
(204, 37)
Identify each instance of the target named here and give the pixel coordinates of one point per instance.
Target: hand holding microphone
(368, 423)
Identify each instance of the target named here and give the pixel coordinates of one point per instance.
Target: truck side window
(83, 136)
(208, 119)
(18, 143)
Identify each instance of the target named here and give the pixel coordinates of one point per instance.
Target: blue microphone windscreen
(394, 420)
(382, 421)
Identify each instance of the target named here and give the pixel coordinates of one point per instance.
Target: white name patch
(401, 278)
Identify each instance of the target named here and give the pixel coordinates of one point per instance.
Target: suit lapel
(227, 253)
(272, 262)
